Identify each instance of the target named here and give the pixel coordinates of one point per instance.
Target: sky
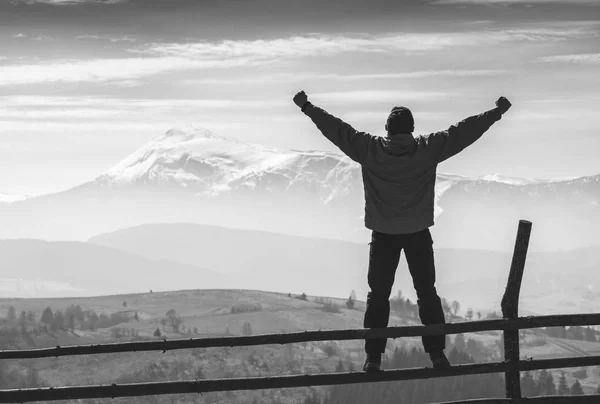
(84, 83)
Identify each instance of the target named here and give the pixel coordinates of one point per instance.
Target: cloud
(526, 2)
(45, 106)
(327, 45)
(111, 127)
(33, 38)
(160, 58)
(292, 77)
(85, 113)
(102, 70)
(583, 58)
(378, 95)
(125, 38)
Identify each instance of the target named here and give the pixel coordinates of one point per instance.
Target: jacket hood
(400, 143)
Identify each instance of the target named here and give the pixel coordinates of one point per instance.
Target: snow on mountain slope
(24, 288)
(209, 164)
(521, 181)
(9, 198)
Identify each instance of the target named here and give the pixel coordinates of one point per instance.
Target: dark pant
(384, 256)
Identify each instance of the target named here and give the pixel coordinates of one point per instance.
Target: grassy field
(210, 313)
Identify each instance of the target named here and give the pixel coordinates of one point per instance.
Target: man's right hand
(503, 105)
(300, 99)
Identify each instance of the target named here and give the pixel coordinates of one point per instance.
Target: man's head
(400, 120)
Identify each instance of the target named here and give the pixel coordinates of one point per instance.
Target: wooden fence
(511, 366)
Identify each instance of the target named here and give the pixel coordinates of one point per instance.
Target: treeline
(71, 318)
(575, 332)
(399, 305)
(419, 391)
(542, 384)
(20, 331)
(539, 383)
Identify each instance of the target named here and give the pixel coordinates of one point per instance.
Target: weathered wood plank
(277, 382)
(591, 399)
(307, 336)
(510, 309)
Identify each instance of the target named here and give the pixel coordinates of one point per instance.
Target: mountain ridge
(193, 175)
(278, 262)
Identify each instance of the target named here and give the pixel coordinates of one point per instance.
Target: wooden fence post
(510, 309)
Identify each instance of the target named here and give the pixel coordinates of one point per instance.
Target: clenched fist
(503, 104)
(300, 99)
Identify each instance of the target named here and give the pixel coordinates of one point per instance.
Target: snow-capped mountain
(199, 161)
(194, 175)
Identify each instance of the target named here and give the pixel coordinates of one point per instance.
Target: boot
(372, 363)
(439, 360)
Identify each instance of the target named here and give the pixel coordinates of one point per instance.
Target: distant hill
(209, 313)
(554, 282)
(40, 268)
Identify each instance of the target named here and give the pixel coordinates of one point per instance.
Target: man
(399, 173)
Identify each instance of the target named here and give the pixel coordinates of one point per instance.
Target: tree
(124, 303)
(459, 343)
(575, 333)
(93, 320)
(12, 314)
(23, 321)
(303, 296)
(353, 295)
(455, 307)
(446, 307)
(32, 378)
(472, 348)
(47, 316)
(546, 384)
(59, 321)
(173, 320)
(340, 367)
(247, 328)
(563, 388)
(469, 314)
(478, 315)
(576, 389)
(157, 332)
(350, 303)
(70, 320)
(527, 384)
(589, 334)
(500, 345)
(136, 317)
(30, 316)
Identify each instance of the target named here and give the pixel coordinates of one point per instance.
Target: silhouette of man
(399, 173)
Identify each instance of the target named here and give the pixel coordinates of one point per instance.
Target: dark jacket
(399, 170)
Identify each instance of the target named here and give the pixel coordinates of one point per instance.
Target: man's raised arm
(443, 145)
(353, 143)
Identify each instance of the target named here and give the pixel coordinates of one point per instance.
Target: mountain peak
(185, 133)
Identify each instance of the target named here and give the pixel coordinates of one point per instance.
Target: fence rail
(511, 367)
(308, 336)
(278, 382)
